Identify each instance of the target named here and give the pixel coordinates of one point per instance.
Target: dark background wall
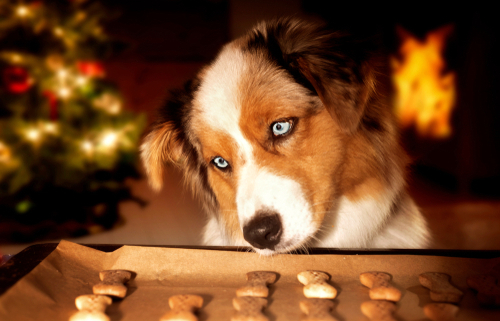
(193, 31)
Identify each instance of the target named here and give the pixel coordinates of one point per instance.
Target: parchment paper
(48, 291)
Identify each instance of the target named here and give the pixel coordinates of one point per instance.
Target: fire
(425, 96)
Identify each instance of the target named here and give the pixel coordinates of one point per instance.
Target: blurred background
(81, 79)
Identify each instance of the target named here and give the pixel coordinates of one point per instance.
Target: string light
(50, 128)
(33, 135)
(62, 74)
(64, 92)
(88, 146)
(16, 58)
(58, 31)
(108, 102)
(81, 80)
(109, 140)
(115, 108)
(22, 11)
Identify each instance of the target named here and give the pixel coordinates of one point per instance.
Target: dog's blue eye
(281, 127)
(220, 162)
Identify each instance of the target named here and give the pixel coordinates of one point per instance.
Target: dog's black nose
(264, 231)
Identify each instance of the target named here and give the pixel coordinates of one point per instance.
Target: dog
(288, 140)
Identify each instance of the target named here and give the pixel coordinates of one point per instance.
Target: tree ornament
(53, 104)
(90, 68)
(17, 79)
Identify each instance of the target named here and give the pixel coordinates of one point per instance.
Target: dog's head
(262, 133)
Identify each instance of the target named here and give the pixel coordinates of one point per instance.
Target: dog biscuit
(441, 311)
(488, 291)
(315, 285)
(91, 307)
(113, 283)
(379, 310)
(380, 289)
(257, 284)
(317, 310)
(249, 309)
(183, 307)
(440, 288)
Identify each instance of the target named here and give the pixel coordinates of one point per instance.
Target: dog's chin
(282, 248)
(265, 252)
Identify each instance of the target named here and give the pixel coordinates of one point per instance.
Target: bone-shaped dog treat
(441, 311)
(183, 307)
(91, 307)
(317, 309)
(378, 310)
(249, 309)
(315, 285)
(380, 289)
(113, 283)
(441, 289)
(488, 291)
(257, 284)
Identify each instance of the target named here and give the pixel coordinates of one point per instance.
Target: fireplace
(463, 155)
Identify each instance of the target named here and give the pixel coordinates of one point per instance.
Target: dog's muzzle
(264, 230)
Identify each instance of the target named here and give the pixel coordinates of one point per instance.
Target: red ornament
(91, 68)
(17, 79)
(53, 104)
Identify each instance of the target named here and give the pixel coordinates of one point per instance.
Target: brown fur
(344, 139)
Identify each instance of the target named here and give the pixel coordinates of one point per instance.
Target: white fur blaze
(259, 189)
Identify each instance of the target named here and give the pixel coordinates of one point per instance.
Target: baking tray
(41, 282)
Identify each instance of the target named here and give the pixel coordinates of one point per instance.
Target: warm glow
(115, 108)
(58, 31)
(62, 74)
(33, 134)
(425, 96)
(87, 146)
(80, 16)
(64, 92)
(16, 58)
(110, 139)
(22, 11)
(81, 80)
(50, 128)
(5, 153)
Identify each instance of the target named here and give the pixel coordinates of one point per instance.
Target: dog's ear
(337, 66)
(166, 141)
(344, 97)
(160, 146)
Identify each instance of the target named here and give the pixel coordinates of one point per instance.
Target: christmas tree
(66, 144)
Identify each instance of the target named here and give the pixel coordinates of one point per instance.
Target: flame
(425, 97)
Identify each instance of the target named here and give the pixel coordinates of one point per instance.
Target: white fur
(214, 233)
(219, 106)
(406, 229)
(259, 189)
(354, 224)
(217, 98)
(366, 223)
(371, 223)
